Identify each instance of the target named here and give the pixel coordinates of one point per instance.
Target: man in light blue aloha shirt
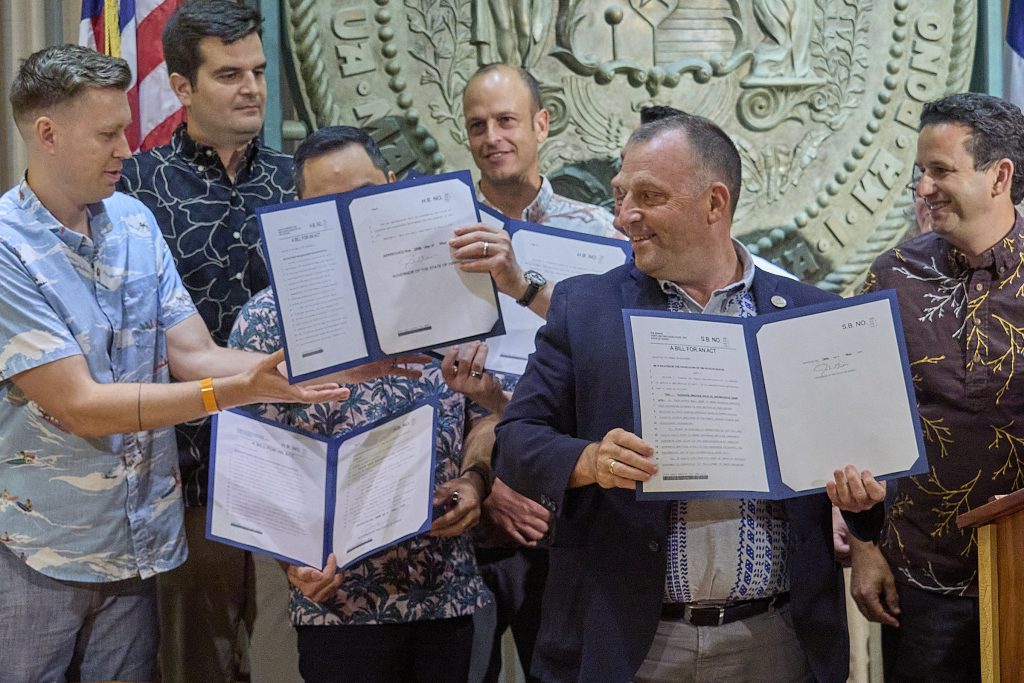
(93, 322)
(405, 612)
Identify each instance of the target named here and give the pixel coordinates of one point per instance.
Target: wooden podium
(1000, 525)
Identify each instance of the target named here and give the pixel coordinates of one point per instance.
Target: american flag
(130, 29)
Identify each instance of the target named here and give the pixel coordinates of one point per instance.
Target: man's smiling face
(504, 127)
(955, 194)
(662, 205)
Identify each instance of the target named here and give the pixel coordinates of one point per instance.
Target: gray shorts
(54, 630)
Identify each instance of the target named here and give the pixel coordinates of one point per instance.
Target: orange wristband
(209, 398)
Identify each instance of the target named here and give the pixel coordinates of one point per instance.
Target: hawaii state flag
(131, 29)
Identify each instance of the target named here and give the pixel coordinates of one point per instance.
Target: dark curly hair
(997, 131)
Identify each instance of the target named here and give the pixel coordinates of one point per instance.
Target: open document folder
(299, 497)
(367, 274)
(556, 254)
(770, 406)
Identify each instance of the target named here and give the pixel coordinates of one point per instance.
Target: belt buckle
(688, 613)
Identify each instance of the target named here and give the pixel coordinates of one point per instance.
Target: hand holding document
(367, 274)
(854, 491)
(300, 497)
(557, 254)
(770, 406)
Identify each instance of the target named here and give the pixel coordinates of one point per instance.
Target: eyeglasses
(915, 180)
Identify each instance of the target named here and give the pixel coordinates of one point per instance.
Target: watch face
(535, 278)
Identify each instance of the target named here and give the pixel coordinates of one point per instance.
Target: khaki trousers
(761, 649)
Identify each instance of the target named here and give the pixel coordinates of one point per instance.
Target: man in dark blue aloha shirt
(204, 188)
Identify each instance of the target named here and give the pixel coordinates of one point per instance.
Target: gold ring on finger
(486, 246)
(611, 466)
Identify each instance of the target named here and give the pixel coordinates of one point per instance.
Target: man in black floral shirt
(961, 295)
(204, 188)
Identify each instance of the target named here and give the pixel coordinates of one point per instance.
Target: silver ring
(475, 373)
(486, 245)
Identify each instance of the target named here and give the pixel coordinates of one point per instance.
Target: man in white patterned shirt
(505, 126)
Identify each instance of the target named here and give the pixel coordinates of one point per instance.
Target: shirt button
(1002, 269)
(978, 287)
(238, 276)
(653, 546)
(200, 168)
(237, 235)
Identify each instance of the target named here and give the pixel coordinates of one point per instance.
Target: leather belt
(716, 615)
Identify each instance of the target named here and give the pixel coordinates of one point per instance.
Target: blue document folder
(769, 406)
(326, 309)
(259, 490)
(556, 254)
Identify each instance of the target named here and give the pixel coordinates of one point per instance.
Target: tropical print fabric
(77, 509)
(420, 578)
(964, 328)
(210, 223)
(548, 208)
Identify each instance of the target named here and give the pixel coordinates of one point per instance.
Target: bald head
(525, 77)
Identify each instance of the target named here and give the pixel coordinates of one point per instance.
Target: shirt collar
(534, 209)
(28, 201)
(204, 155)
(538, 207)
(1003, 255)
(742, 285)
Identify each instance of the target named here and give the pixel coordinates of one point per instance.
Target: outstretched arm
(65, 388)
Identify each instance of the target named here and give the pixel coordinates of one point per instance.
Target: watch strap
(531, 292)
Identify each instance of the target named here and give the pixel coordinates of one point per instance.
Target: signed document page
(697, 406)
(557, 255)
(309, 265)
(772, 405)
(837, 394)
(267, 489)
(417, 295)
(385, 485)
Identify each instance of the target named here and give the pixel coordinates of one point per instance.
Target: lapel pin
(779, 301)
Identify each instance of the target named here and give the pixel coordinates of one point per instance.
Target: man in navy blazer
(635, 588)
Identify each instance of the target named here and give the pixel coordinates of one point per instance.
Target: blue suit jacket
(604, 591)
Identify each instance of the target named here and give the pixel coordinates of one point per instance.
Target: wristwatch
(534, 282)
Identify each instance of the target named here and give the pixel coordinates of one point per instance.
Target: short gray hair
(716, 155)
(61, 73)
